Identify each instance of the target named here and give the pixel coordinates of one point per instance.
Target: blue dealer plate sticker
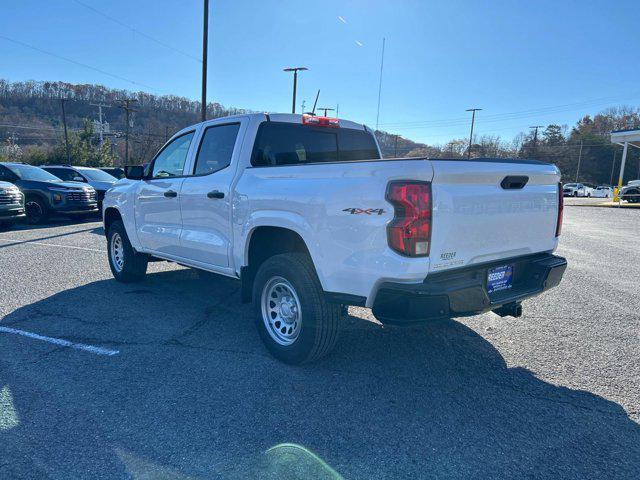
(499, 278)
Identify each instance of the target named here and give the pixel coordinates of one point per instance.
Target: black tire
(36, 210)
(320, 320)
(575, 194)
(133, 265)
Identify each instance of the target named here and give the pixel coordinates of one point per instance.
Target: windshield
(28, 172)
(96, 175)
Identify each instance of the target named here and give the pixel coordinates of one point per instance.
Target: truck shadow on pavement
(193, 394)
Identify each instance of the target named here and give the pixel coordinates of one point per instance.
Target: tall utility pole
(205, 44)
(535, 137)
(126, 106)
(295, 71)
(99, 105)
(579, 160)
(326, 109)
(380, 83)
(613, 165)
(66, 136)
(473, 120)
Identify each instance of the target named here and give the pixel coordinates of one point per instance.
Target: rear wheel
(126, 264)
(295, 322)
(36, 211)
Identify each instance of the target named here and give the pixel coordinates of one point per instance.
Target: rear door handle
(170, 194)
(215, 194)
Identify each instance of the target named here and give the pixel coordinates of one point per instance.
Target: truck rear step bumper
(463, 292)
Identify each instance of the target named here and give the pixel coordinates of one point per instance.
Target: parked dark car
(631, 191)
(11, 203)
(115, 171)
(46, 194)
(101, 181)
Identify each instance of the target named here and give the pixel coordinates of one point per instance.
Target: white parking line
(42, 244)
(61, 342)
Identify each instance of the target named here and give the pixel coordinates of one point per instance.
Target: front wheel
(295, 322)
(126, 264)
(36, 211)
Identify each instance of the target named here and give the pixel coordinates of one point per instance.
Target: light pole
(473, 119)
(295, 83)
(326, 109)
(205, 47)
(579, 160)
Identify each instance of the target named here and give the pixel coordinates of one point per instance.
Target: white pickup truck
(308, 216)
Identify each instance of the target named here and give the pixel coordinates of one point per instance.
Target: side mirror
(78, 179)
(134, 172)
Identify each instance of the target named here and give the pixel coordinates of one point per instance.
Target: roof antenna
(313, 112)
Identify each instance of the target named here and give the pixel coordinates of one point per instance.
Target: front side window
(170, 161)
(216, 148)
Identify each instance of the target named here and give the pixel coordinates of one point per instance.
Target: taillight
(320, 121)
(409, 233)
(560, 209)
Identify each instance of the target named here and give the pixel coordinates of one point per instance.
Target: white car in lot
(305, 213)
(577, 190)
(602, 191)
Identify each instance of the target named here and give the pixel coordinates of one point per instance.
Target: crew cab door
(205, 197)
(157, 208)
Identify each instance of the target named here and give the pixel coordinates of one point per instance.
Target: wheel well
(38, 196)
(110, 216)
(266, 242)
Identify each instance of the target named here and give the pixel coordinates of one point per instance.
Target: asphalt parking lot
(168, 378)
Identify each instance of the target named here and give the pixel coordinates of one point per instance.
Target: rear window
(292, 144)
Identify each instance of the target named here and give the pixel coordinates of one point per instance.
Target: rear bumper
(463, 292)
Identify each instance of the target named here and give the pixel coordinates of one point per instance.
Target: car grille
(10, 198)
(81, 196)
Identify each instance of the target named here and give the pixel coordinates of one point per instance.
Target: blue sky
(524, 63)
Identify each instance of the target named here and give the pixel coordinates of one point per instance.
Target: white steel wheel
(281, 311)
(117, 252)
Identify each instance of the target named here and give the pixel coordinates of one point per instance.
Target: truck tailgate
(477, 220)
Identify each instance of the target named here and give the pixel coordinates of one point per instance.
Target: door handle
(170, 194)
(215, 194)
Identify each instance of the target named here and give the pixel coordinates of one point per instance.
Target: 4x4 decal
(364, 211)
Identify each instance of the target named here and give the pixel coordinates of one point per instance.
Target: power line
(66, 59)
(500, 117)
(135, 30)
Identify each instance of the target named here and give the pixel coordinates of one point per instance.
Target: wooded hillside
(31, 130)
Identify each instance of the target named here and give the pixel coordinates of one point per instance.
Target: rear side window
(216, 148)
(356, 145)
(293, 144)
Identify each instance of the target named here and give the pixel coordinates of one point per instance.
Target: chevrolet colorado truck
(305, 213)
